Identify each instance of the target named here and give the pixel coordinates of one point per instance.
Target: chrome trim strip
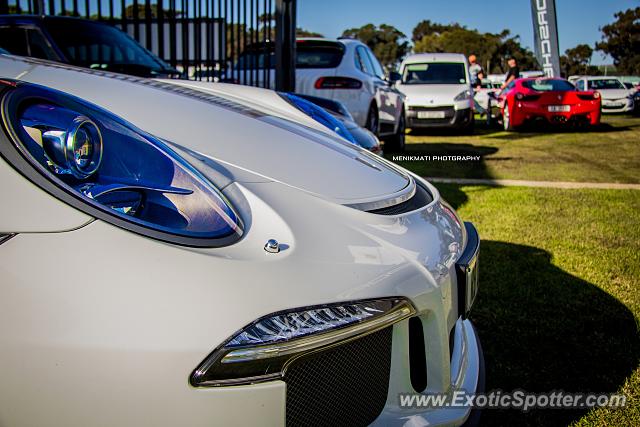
(303, 345)
(293, 350)
(5, 237)
(402, 196)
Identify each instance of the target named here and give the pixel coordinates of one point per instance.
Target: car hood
(426, 95)
(614, 93)
(245, 140)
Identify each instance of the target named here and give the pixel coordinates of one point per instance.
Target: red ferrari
(550, 100)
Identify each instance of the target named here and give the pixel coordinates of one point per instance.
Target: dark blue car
(79, 42)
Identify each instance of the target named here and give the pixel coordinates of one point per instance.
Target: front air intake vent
(343, 386)
(421, 198)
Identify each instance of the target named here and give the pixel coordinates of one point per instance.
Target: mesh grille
(344, 386)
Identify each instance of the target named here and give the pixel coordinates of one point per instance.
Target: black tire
(470, 127)
(373, 120)
(397, 142)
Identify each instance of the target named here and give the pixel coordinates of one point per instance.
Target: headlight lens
(261, 351)
(111, 169)
(320, 115)
(463, 96)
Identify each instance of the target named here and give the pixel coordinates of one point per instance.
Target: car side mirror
(394, 77)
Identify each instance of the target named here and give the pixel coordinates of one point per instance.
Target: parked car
(488, 91)
(80, 42)
(438, 90)
(496, 79)
(636, 102)
(94, 45)
(634, 81)
(615, 96)
(363, 137)
(551, 100)
(532, 74)
(343, 70)
(214, 263)
(320, 115)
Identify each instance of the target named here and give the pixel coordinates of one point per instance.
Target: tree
(577, 60)
(621, 40)
(154, 12)
(387, 42)
(427, 27)
(301, 32)
(492, 50)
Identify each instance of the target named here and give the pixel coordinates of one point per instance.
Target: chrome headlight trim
(13, 150)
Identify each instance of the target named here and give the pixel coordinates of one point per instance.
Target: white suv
(438, 90)
(344, 70)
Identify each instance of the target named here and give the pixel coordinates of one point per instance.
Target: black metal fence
(205, 39)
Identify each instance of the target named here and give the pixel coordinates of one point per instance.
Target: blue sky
(578, 20)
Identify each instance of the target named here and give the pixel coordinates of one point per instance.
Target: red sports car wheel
(506, 118)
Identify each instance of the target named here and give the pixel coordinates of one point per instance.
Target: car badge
(272, 246)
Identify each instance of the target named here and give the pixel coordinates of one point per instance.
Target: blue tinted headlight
(112, 170)
(320, 115)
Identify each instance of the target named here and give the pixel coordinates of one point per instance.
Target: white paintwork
(436, 95)
(102, 327)
(263, 147)
(621, 97)
(26, 208)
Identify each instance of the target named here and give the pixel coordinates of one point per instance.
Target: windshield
(309, 54)
(437, 73)
(605, 84)
(318, 54)
(94, 45)
(548, 85)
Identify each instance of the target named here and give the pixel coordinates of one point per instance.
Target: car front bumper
(618, 106)
(266, 404)
(452, 118)
(126, 342)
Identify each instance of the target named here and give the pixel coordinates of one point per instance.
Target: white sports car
(616, 98)
(179, 255)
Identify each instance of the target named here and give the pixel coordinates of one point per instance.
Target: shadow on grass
(447, 168)
(543, 329)
(541, 129)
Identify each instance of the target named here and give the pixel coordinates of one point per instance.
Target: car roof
(344, 41)
(33, 19)
(434, 57)
(525, 79)
(601, 77)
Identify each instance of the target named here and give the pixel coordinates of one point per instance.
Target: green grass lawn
(560, 294)
(609, 153)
